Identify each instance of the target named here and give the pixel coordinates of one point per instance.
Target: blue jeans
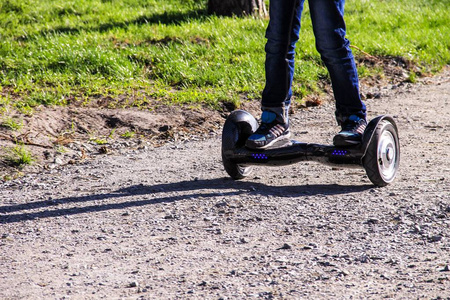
(329, 30)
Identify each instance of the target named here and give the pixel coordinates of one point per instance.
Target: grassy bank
(138, 53)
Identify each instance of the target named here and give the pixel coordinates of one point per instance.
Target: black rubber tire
(236, 171)
(237, 128)
(382, 157)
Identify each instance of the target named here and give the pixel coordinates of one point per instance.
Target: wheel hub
(387, 155)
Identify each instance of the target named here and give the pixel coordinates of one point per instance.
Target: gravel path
(167, 223)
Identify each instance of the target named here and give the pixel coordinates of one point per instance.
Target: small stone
(363, 259)
(221, 204)
(435, 238)
(408, 222)
(446, 269)
(372, 221)
(103, 150)
(326, 264)
(134, 284)
(375, 95)
(314, 245)
(285, 247)
(58, 161)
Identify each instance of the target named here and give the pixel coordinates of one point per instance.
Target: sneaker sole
(280, 138)
(341, 142)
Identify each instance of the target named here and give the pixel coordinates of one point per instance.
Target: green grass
(128, 134)
(415, 30)
(169, 51)
(12, 124)
(19, 156)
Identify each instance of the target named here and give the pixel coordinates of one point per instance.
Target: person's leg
(282, 35)
(330, 30)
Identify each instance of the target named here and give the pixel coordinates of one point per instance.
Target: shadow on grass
(220, 187)
(166, 18)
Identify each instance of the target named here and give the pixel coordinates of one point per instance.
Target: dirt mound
(72, 134)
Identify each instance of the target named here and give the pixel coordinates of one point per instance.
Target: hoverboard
(378, 153)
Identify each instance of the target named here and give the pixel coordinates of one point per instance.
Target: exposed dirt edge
(61, 135)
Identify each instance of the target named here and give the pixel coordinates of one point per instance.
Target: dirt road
(167, 223)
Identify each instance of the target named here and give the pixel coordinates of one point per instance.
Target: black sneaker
(269, 132)
(352, 131)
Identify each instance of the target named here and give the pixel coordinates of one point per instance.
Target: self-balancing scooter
(378, 154)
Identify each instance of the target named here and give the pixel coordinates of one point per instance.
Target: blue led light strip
(259, 156)
(339, 152)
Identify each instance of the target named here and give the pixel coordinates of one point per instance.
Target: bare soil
(158, 218)
(68, 135)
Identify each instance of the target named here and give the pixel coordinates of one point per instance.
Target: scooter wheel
(382, 158)
(237, 128)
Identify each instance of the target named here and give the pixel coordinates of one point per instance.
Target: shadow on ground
(166, 18)
(218, 187)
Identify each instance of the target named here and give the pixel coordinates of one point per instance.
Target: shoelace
(274, 129)
(353, 126)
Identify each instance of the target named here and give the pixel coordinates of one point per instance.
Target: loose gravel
(167, 222)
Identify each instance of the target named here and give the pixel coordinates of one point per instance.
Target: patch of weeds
(12, 176)
(412, 77)
(61, 149)
(12, 123)
(99, 141)
(26, 110)
(19, 156)
(5, 104)
(7, 177)
(111, 134)
(128, 134)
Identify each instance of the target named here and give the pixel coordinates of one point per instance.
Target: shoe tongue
(268, 117)
(354, 118)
